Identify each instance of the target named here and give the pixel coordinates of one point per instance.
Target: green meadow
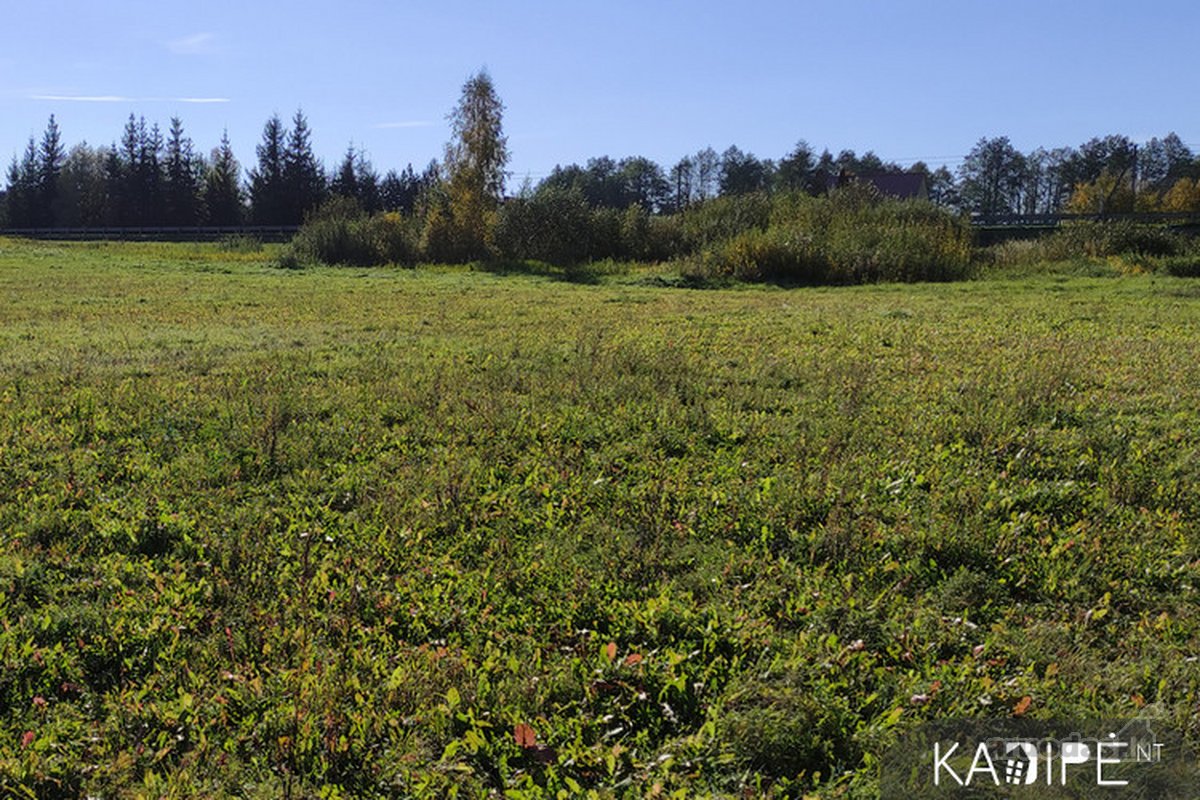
(443, 531)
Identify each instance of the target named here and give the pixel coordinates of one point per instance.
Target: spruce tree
(150, 174)
(183, 172)
(222, 188)
(368, 184)
(345, 180)
(49, 166)
(357, 178)
(114, 187)
(303, 175)
(267, 190)
(22, 198)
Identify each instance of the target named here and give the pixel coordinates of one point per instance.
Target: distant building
(897, 185)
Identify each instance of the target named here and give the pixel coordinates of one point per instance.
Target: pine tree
(22, 198)
(222, 188)
(267, 190)
(14, 213)
(114, 187)
(357, 179)
(49, 166)
(183, 173)
(303, 176)
(345, 181)
(129, 210)
(150, 174)
(399, 191)
(140, 178)
(368, 184)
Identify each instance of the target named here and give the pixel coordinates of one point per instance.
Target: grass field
(358, 533)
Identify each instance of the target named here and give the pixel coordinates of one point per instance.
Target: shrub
(1091, 240)
(341, 233)
(394, 237)
(724, 218)
(850, 237)
(1182, 266)
(557, 226)
(646, 237)
(553, 225)
(606, 233)
(773, 254)
(1102, 239)
(896, 241)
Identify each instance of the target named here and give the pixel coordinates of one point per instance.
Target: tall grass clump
(240, 243)
(1103, 239)
(557, 226)
(1087, 242)
(722, 219)
(852, 236)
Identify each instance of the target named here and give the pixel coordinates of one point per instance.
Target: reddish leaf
(525, 736)
(634, 658)
(610, 650)
(27, 739)
(1022, 706)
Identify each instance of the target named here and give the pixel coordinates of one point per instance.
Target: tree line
(152, 178)
(1108, 174)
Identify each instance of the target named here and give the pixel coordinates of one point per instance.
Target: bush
(897, 241)
(394, 237)
(646, 237)
(724, 218)
(1088, 241)
(556, 226)
(849, 237)
(341, 233)
(553, 225)
(1182, 266)
(756, 255)
(1103, 239)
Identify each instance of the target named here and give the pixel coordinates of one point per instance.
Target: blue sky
(909, 80)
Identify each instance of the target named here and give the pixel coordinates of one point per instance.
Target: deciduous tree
(991, 177)
(476, 158)
(708, 172)
(741, 173)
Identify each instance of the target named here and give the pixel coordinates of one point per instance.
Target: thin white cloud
(75, 98)
(407, 124)
(114, 98)
(198, 44)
